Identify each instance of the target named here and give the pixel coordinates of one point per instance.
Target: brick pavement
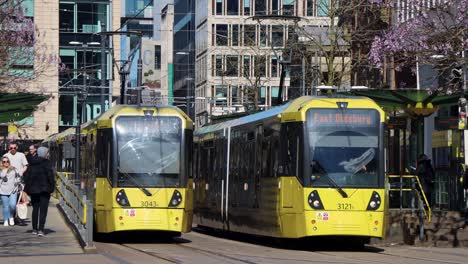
(18, 245)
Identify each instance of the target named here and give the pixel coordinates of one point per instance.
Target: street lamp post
(81, 111)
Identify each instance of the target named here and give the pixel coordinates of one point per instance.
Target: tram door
(225, 169)
(258, 166)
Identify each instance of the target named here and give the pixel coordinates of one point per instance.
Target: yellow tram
(137, 159)
(311, 167)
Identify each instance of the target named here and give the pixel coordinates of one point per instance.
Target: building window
(310, 7)
(233, 7)
(157, 57)
(82, 17)
(246, 66)
(221, 35)
(274, 7)
(246, 7)
(67, 110)
(235, 95)
(90, 16)
(260, 66)
(221, 94)
(219, 65)
(263, 35)
(67, 20)
(260, 7)
(232, 65)
(262, 95)
(274, 66)
(219, 7)
(277, 36)
(235, 35)
(249, 35)
(288, 7)
(133, 7)
(274, 93)
(323, 7)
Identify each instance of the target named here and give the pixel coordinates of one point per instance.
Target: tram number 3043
(345, 206)
(148, 204)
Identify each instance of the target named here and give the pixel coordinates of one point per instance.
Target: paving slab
(59, 239)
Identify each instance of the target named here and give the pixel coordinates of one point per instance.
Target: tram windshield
(343, 148)
(149, 151)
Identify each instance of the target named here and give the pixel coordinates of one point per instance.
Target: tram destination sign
(338, 117)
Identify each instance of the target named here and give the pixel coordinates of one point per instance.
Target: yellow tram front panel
(345, 216)
(339, 217)
(144, 212)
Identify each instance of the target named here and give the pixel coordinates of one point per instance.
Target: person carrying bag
(22, 207)
(10, 184)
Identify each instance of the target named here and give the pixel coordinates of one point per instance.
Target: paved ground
(213, 248)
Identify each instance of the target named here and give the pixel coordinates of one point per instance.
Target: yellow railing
(63, 184)
(420, 192)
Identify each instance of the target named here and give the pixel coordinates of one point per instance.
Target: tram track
(199, 248)
(200, 251)
(390, 261)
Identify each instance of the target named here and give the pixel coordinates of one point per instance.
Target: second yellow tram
(312, 167)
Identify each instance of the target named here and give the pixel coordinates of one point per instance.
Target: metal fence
(76, 207)
(406, 191)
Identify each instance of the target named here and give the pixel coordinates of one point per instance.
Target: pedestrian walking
(39, 184)
(18, 160)
(426, 176)
(9, 186)
(32, 152)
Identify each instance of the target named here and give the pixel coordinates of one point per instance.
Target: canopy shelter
(17, 106)
(403, 105)
(416, 103)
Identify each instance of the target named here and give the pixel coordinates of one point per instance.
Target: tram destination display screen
(338, 117)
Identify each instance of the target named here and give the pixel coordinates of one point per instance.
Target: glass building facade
(80, 52)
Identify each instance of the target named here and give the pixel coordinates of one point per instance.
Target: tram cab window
(149, 151)
(343, 148)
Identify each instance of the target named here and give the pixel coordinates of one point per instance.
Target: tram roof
(243, 120)
(291, 106)
(117, 108)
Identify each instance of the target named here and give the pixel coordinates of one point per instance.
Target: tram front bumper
(345, 223)
(177, 220)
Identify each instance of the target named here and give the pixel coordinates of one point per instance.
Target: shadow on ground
(142, 237)
(304, 244)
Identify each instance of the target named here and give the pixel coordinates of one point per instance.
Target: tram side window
(188, 154)
(195, 166)
(291, 135)
(104, 150)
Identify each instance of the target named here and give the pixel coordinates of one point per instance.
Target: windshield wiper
(336, 186)
(316, 165)
(143, 189)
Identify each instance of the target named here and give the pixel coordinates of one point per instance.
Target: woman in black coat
(39, 184)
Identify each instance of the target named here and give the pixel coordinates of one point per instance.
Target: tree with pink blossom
(22, 57)
(423, 32)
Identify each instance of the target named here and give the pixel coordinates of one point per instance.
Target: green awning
(17, 106)
(415, 102)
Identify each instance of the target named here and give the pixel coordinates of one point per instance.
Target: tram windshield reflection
(343, 148)
(149, 151)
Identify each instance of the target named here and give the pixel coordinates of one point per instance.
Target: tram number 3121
(345, 206)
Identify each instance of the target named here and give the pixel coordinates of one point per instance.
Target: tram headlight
(314, 200)
(374, 202)
(176, 199)
(121, 198)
